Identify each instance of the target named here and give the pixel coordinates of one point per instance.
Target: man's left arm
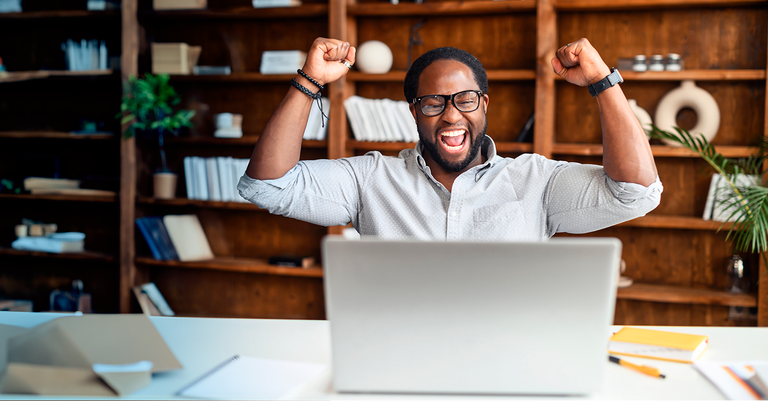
(627, 155)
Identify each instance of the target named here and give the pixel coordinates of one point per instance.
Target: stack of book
(275, 3)
(175, 237)
(317, 125)
(60, 186)
(86, 55)
(282, 61)
(214, 178)
(720, 197)
(380, 120)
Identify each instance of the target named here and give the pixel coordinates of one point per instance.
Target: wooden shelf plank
(86, 255)
(60, 14)
(56, 135)
(18, 76)
(684, 295)
(697, 75)
(258, 266)
(441, 8)
(600, 5)
(677, 222)
(514, 147)
(237, 77)
(199, 203)
(249, 140)
(65, 198)
(580, 149)
(303, 11)
(399, 76)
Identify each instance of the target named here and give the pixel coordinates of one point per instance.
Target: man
(453, 186)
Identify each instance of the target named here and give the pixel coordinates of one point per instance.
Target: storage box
(179, 4)
(174, 58)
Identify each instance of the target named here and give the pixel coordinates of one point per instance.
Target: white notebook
(243, 377)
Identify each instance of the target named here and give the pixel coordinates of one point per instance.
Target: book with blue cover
(156, 235)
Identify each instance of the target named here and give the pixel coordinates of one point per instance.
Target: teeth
(453, 133)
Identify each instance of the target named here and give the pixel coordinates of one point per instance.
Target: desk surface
(201, 344)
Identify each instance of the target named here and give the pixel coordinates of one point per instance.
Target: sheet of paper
(244, 377)
(725, 376)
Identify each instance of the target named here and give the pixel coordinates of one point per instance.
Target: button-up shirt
(526, 198)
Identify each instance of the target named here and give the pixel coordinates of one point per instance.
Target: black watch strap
(612, 79)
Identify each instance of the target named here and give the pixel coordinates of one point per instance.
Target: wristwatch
(612, 79)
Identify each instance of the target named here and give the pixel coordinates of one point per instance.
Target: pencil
(640, 368)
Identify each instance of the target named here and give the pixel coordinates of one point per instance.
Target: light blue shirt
(527, 198)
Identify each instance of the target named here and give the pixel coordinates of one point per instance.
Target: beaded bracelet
(314, 96)
(304, 74)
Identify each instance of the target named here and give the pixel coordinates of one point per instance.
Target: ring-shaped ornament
(699, 100)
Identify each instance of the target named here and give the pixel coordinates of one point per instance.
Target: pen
(640, 368)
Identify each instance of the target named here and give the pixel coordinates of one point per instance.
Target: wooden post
(546, 32)
(128, 66)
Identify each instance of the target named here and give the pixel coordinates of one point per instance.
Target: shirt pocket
(501, 222)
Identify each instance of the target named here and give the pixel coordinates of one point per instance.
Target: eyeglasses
(465, 102)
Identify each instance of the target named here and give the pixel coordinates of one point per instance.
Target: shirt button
(453, 214)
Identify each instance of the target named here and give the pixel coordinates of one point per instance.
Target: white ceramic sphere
(373, 57)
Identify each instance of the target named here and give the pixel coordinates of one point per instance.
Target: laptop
(527, 318)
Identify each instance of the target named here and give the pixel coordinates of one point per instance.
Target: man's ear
(413, 112)
(487, 100)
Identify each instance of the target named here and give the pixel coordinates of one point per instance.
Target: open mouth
(454, 141)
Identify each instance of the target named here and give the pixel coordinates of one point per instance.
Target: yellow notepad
(655, 344)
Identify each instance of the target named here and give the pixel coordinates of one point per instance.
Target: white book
(377, 128)
(275, 3)
(393, 119)
(214, 187)
(402, 124)
(353, 116)
(189, 177)
(313, 122)
(378, 107)
(365, 118)
(405, 113)
(227, 192)
(201, 178)
(322, 130)
(281, 61)
(188, 237)
(721, 211)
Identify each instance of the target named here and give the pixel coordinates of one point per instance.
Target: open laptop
(470, 317)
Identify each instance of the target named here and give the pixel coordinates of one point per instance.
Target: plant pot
(165, 185)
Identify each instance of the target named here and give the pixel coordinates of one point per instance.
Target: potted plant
(148, 106)
(747, 203)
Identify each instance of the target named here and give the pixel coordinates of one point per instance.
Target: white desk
(201, 344)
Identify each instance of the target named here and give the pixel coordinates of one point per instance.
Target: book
(189, 178)
(722, 207)
(55, 243)
(157, 299)
(738, 380)
(304, 262)
(275, 3)
(350, 106)
(49, 183)
(157, 237)
(73, 191)
(211, 70)
(214, 186)
(655, 344)
(244, 377)
(188, 237)
(281, 61)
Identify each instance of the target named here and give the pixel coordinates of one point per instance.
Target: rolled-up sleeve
(583, 198)
(323, 192)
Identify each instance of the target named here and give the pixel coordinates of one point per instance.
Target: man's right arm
(279, 146)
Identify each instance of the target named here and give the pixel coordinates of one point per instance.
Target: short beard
(431, 148)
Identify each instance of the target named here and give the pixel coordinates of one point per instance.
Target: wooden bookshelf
(241, 13)
(61, 14)
(603, 5)
(236, 77)
(677, 222)
(61, 198)
(441, 8)
(685, 295)
(57, 135)
(180, 202)
(580, 149)
(86, 255)
(249, 140)
(256, 266)
(399, 76)
(42, 74)
(696, 75)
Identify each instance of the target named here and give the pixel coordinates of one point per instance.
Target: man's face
(452, 138)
